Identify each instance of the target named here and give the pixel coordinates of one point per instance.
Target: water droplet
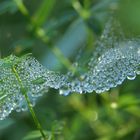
(64, 92)
(131, 75)
(138, 70)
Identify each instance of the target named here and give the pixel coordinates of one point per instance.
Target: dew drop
(131, 75)
(64, 92)
(138, 70)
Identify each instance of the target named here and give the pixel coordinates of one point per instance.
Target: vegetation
(61, 35)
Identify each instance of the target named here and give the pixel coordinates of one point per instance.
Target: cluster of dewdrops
(32, 77)
(111, 69)
(114, 60)
(107, 68)
(10, 97)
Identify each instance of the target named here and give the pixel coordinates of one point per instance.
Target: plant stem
(21, 7)
(23, 90)
(40, 34)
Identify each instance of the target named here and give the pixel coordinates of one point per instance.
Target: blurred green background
(54, 31)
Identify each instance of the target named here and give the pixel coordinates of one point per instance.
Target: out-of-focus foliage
(54, 31)
(129, 16)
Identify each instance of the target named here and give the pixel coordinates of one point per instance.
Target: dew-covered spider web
(114, 59)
